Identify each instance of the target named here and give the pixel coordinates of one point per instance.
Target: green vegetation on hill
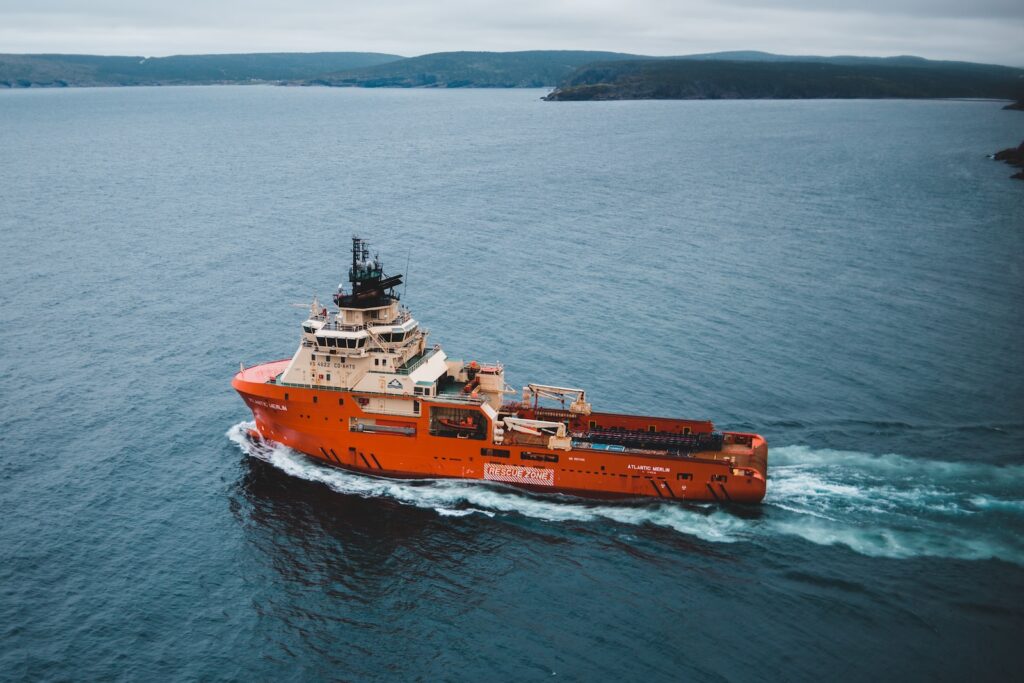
(579, 75)
(532, 69)
(67, 70)
(808, 77)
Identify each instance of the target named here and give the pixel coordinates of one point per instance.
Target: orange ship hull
(335, 426)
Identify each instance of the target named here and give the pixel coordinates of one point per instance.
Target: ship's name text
(647, 468)
(272, 406)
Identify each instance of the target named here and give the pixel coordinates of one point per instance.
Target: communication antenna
(405, 284)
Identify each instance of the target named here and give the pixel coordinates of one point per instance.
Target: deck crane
(532, 393)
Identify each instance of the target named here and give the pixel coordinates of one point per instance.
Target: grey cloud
(986, 30)
(924, 9)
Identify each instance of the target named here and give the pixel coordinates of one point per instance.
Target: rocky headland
(1014, 156)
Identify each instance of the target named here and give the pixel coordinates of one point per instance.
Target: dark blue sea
(844, 277)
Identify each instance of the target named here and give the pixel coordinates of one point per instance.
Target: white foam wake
(885, 506)
(894, 506)
(458, 498)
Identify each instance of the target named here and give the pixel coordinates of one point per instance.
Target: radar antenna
(371, 287)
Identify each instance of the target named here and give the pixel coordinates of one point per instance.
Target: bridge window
(321, 341)
(684, 475)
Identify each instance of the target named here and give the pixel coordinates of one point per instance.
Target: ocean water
(843, 277)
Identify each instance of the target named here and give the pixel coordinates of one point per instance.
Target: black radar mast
(370, 286)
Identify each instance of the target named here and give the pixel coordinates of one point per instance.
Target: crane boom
(533, 392)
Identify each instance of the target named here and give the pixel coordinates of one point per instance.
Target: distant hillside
(579, 75)
(90, 70)
(756, 56)
(711, 77)
(532, 69)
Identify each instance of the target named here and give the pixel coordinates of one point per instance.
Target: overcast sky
(975, 30)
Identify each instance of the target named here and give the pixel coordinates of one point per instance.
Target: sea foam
(881, 506)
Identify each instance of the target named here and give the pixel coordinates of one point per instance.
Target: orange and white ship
(366, 392)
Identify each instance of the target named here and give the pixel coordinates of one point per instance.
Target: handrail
(334, 325)
(443, 398)
(409, 370)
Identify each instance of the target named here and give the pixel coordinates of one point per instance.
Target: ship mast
(371, 287)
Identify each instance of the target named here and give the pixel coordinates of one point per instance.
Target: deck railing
(408, 369)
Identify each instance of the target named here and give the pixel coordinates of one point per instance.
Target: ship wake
(881, 506)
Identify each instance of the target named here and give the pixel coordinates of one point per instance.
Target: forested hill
(712, 77)
(578, 74)
(92, 70)
(530, 69)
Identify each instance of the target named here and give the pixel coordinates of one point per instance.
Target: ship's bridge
(369, 342)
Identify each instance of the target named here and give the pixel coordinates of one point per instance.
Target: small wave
(871, 464)
(444, 512)
(990, 503)
(881, 506)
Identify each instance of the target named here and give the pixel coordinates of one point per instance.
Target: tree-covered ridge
(530, 69)
(91, 70)
(579, 74)
(840, 78)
